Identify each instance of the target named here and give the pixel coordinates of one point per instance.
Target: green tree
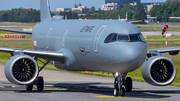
(140, 15)
(70, 15)
(170, 9)
(165, 16)
(93, 9)
(171, 1)
(20, 15)
(75, 6)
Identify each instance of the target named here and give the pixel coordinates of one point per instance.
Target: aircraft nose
(133, 55)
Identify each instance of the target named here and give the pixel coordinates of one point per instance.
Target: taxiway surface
(65, 86)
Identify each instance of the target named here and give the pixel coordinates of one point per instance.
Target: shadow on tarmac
(94, 88)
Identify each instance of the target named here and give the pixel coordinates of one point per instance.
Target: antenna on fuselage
(45, 10)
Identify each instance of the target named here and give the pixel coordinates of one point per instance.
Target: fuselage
(92, 44)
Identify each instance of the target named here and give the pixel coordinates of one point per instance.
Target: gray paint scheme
(78, 45)
(99, 59)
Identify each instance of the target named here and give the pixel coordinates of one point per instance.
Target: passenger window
(111, 38)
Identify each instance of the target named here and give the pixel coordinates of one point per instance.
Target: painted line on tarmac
(2, 77)
(13, 86)
(176, 42)
(1, 86)
(48, 85)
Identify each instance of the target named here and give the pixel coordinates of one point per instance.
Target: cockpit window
(135, 38)
(111, 38)
(122, 37)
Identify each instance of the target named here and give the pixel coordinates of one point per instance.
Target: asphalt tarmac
(65, 86)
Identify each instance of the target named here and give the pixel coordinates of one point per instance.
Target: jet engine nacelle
(159, 71)
(21, 70)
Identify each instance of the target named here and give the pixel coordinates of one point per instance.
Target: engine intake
(159, 71)
(21, 69)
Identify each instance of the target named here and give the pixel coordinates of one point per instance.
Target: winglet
(45, 10)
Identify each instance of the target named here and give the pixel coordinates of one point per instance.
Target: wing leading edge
(49, 55)
(16, 31)
(164, 50)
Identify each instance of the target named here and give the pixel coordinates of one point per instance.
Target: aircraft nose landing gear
(121, 85)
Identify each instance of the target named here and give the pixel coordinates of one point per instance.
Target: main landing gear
(39, 81)
(121, 85)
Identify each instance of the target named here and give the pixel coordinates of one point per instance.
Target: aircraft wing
(164, 50)
(135, 21)
(16, 31)
(49, 55)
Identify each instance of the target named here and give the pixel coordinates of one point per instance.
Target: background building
(151, 4)
(110, 6)
(63, 9)
(79, 8)
(121, 2)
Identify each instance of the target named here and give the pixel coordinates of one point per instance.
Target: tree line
(136, 12)
(26, 15)
(23, 15)
(20, 15)
(171, 8)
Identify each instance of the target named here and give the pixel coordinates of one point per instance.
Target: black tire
(40, 84)
(29, 87)
(122, 91)
(116, 89)
(129, 84)
(116, 92)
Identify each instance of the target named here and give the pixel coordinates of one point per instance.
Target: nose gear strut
(121, 84)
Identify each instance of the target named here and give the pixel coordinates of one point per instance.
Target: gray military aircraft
(112, 46)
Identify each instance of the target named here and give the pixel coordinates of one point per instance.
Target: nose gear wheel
(120, 84)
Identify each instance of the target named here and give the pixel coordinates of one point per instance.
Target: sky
(9, 4)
